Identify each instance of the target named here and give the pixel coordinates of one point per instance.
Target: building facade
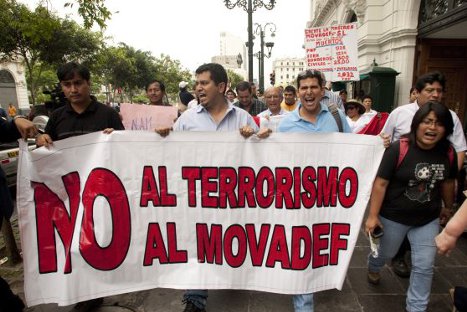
(13, 87)
(232, 54)
(412, 37)
(287, 69)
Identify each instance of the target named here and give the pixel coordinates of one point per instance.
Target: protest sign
(147, 117)
(101, 215)
(333, 51)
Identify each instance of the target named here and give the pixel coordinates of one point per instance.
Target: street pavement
(356, 296)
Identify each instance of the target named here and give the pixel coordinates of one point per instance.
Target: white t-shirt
(400, 119)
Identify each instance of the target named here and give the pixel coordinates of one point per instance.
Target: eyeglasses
(431, 123)
(271, 97)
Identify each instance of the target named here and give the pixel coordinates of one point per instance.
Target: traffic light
(272, 77)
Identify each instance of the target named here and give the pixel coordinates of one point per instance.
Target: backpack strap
(403, 149)
(335, 113)
(451, 155)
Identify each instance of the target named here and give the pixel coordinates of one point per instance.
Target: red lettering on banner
(278, 251)
(319, 247)
(246, 183)
(265, 176)
(51, 215)
(191, 174)
(103, 182)
(319, 244)
(155, 246)
(209, 243)
(208, 186)
(301, 234)
(337, 243)
(235, 232)
(225, 187)
(284, 182)
(150, 190)
(327, 187)
(348, 179)
(309, 194)
(257, 247)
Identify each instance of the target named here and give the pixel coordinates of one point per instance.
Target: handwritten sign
(333, 51)
(147, 117)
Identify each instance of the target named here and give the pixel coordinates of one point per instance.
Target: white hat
(183, 84)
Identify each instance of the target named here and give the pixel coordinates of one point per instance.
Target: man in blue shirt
(311, 115)
(214, 113)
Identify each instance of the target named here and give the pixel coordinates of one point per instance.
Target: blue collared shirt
(199, 119)
(325, 122)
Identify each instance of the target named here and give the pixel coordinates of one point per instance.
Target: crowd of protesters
(413, 192)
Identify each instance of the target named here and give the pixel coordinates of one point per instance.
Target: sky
(189, 30)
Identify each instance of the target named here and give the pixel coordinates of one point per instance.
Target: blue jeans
(422, 240)
(303, 303)
(199, 297)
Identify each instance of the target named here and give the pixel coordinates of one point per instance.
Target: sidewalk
(356, 295)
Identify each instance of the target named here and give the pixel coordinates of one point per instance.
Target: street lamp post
(261, 32)
(250, 6)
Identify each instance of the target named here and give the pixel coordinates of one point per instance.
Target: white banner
(333, 51)
(107, 214)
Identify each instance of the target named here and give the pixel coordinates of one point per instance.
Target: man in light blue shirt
(214, 113)
(311, 115)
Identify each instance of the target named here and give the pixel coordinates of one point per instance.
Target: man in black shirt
(82, 114)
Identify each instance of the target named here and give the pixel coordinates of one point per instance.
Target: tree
(171, 73)
(92, 11)
(41, 39)
(234, 78)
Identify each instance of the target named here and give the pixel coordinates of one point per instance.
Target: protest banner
(333, 51)
(101, 215)
(147, 117)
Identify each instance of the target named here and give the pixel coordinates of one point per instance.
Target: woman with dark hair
(415, 174)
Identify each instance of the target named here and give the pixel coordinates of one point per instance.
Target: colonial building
(286, 70)
(13, 86)
(232, 54)
(412, 37)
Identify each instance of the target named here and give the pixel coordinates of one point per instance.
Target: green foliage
(234, 78)
(42, 40)
(171, 73)
(92, 12)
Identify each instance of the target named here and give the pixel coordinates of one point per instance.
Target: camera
(377, 232)
(57, 98)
